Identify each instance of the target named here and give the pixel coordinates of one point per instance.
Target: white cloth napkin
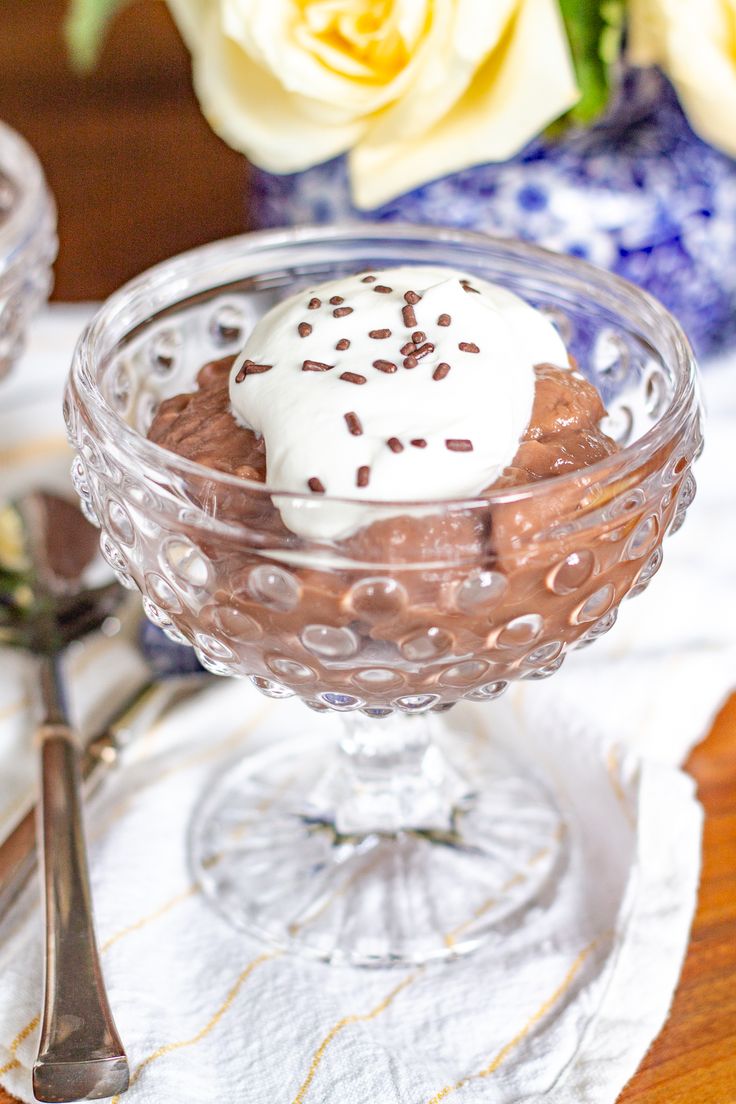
(208, 1014)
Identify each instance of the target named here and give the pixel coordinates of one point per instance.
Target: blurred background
(117, 144)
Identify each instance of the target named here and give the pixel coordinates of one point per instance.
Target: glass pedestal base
(350, 856)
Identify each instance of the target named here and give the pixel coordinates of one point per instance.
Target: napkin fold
(564, 1017)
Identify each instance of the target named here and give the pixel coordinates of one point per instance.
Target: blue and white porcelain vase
(639, 193)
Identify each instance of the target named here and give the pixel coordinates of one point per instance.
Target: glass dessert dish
(343, 847)
(27, 242)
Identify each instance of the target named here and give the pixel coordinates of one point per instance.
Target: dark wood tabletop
(138, 176)
(136, 171)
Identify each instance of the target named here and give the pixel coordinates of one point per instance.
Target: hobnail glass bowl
(27, 242)
(398, 810)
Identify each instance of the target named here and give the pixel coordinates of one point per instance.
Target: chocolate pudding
(564, 433)
(383, 603)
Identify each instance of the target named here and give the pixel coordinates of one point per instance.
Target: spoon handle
(80, 1053)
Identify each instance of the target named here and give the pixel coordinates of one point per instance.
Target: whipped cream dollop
(402, 385)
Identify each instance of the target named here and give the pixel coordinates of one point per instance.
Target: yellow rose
(694, 41)
(413, 89)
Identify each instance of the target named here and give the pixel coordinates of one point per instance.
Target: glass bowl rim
(88, 397)
(25, 221)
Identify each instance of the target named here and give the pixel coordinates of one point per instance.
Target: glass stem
(391, 776)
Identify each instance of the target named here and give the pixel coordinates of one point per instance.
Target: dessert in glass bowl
(382, 469)
(27, 242)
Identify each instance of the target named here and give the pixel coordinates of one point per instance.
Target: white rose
(413, 89)
(695, 44)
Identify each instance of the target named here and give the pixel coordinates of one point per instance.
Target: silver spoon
(44, 605)
(171, 679)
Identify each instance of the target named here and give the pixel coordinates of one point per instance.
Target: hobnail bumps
(346, 638)
(28, 243)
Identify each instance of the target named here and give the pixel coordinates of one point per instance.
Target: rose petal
(694, 45)
(459, 41)
(525, 83)
(276, 35)
(250, 110)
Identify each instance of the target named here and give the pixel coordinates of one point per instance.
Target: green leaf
(84, 29)
(594, 30)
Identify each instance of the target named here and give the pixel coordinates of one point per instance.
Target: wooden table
(138, 176)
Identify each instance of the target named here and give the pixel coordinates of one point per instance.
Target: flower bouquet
(603, 129)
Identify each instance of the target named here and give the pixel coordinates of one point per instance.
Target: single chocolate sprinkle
(418, 442)
(412, 297)
(410, 362)
(418, 337)
(343, 344)
(466, 287)
(336, 300)
(423, 350)
(353, 423)
(363, 477)
(316, 366)
(441, 371)
(410, 319)
(407, 349)
(304, 329)
(468, 347)
(313, 304)
(352, 377)
(444, 320)
(368, 280)
(251, 369)
(382, 289)
(316, 485)
(341, 312)
(395, 444)
(459, 444)
(384, 365)
(379, 334)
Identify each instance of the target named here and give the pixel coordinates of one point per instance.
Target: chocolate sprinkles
(444, 320)
(412, 298)
(341, 312)
(382, 289)
(313, 304)
(395, 444)
(410, 318)
(441, 371)
(368, 280)
(304, 329)
(363, 476)
(468, 347)
(353, 423)
(408, 349)
(316, 366)
(418, 442)
(459, 444)
(384, 365)
(343, 344)
(336, 300)
(465, 284)
(418, 337)
(424, 350)
(410, 362)
(316, 485)
(352, 377)
(250, 369)
(378, 335)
